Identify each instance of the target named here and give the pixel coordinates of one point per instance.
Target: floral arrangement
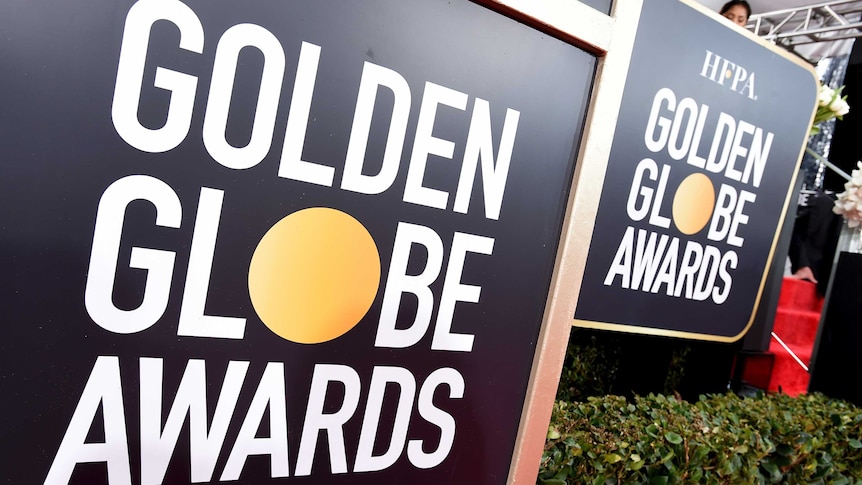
(849, 202)
(830, 104)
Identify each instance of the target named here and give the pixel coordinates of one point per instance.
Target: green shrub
(590, 369)
(599, 363)
(721, 439)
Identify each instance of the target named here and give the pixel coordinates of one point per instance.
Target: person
(815, 236)
(737, 11)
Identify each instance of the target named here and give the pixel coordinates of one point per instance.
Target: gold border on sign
(611, 39)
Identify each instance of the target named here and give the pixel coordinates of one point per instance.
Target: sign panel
(275, 241)
(710, 132)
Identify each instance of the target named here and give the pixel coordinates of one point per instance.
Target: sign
(272, 241)
(705, 151)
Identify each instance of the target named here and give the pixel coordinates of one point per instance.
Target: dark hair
(732, 3)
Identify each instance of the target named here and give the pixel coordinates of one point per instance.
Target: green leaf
(673, 437)
(553, 481)
(612, 458)
(658, 481)
(854, 443)
(667, 457)
(772, 469)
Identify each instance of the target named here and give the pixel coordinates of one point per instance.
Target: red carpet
(796, 322)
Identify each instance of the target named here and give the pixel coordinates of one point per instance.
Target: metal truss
(822, 22)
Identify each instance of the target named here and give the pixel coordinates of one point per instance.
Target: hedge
(721, 439)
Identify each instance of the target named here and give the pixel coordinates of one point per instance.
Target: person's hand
(805, 273)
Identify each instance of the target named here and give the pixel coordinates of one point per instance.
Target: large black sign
(299, 242)
(707, 144)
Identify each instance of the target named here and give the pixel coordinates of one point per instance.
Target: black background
(839, 346)
(669, 52)
(60, 151)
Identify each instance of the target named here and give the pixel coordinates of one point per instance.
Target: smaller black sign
(705, 151)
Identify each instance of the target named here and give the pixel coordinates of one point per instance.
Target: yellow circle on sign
(693, 203)
(314, 275)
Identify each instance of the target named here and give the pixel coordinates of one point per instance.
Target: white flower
(826, 95)
(830, 105)
(839, 107)
(849, 202)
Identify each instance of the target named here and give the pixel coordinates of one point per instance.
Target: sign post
(645, 52)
